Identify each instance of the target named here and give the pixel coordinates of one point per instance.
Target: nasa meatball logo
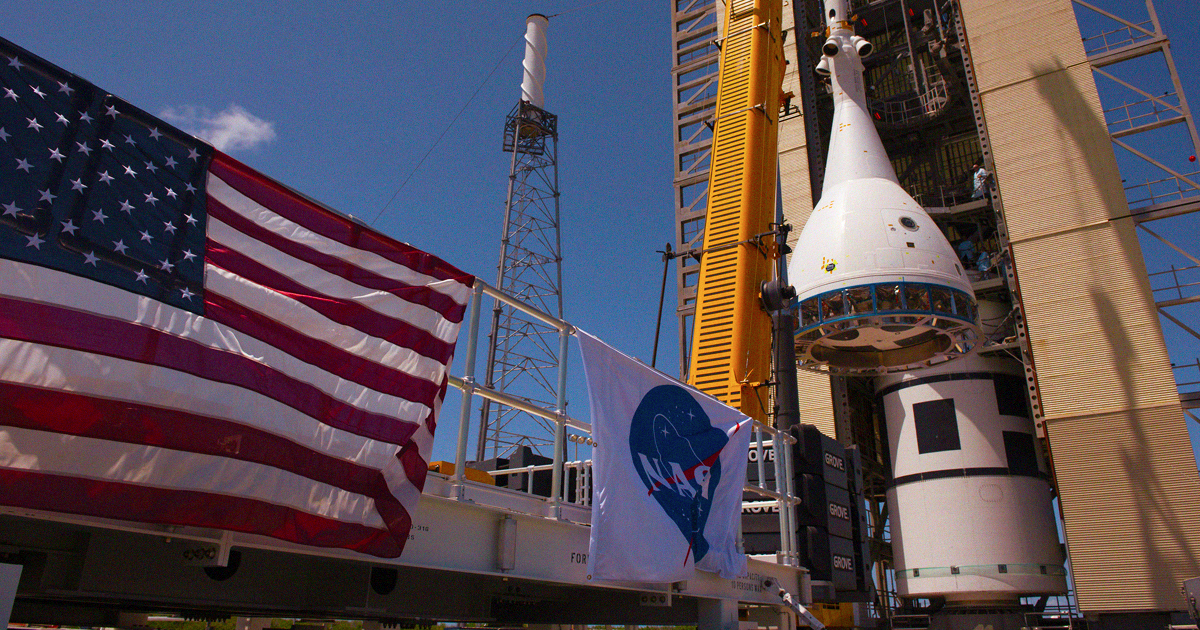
(675, 450)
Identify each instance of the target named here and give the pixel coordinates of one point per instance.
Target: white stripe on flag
(88, 458)
(53, 368)
(239, 203)
(299, 317)
(31, 282)
(333, 286)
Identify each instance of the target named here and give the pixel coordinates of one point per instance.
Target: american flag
(185, 341)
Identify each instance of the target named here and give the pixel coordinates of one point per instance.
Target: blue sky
(342, 100)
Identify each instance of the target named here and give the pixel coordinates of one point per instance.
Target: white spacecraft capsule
(880, 289)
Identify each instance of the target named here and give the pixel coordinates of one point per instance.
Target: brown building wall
(1128, 483)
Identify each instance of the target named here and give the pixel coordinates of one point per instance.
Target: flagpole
(560, 441)
(468, 390)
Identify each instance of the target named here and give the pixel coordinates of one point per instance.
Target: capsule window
(916, 297)
(888, 296)
(860, 300)
(909, 224)
(942, 302)
(964, 306)
(809, 315)
(832, 305)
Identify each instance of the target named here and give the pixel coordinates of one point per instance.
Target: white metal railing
(1162, 190)
(1128, 35)
(583, 479)
(910, 110)
(1147, 112)
(781, 494)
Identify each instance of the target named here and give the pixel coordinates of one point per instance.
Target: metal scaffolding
(523, 352)
(1140, 99)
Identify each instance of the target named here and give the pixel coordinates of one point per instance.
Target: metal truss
(694, 77)
(1149, 104)
(523, 351)
(1166, 191)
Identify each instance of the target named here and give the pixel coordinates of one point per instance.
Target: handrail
(782, 494)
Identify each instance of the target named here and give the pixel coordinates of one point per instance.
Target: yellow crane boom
(731, 334)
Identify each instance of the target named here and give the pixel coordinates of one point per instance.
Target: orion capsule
(879, 287)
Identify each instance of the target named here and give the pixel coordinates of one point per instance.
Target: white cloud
(230, 129)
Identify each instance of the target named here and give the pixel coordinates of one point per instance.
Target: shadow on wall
(1157, 520)
(1081, 127)
(1160, 538)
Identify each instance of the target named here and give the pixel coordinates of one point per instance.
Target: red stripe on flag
(332, 359)
(128, 502)
(417, 294)
(132, 423)
(338, 310)
(416, 469)
(40, 323)
(432, 419)
(291, 206)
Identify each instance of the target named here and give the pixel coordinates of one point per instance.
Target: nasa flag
(669, 471)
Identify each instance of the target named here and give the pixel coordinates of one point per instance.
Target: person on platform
(979, 181)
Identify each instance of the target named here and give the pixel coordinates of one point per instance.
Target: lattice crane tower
(522, 351)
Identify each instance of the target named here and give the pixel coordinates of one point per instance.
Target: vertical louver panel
(1124, 465)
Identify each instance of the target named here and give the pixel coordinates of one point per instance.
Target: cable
(447, 129)
(464, 108)
(586, 6)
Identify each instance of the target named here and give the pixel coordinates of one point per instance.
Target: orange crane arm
(731, 334)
